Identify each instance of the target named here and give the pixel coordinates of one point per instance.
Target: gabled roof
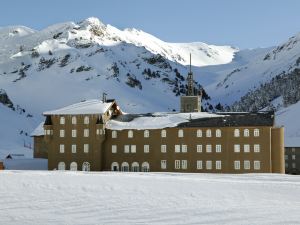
(39, 131)
(93, 106)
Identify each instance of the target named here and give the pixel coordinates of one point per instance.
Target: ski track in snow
(55, 197)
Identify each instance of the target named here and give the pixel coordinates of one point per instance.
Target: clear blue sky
(241, 23)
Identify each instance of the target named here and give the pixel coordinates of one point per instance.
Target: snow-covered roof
(200, 119)
(93, 106)
(155, 120)
(292, 142)
(39, 131)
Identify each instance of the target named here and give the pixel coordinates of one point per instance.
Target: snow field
(55, 197)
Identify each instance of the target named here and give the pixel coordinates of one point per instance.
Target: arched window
(86, 166)
(146, 133)
(199, 133)
(130, 134)
(208, 133)
(61, 166)
(145, 167)
(125, 167)
(62, 120)
(256, 132)
(180, 133)
(218, 133)
(74, 120)
(163, 133)
(73, 166)
(246, 133)
(135, 167)
(86, 120)
(115, 166)
(236, 132)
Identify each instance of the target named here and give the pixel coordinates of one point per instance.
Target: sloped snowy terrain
(70, 62)
(54, 197)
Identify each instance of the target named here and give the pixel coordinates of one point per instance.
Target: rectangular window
(113, 149)
(257, 165)
(237, 165)
(199, 164)
(199, 133)
(294, 165)
(163, 164)
(199, 148)
(286, 157)
(180, 133)
(133, 148)
(74, 133)
(293, 157)
(126, 148)
(73, 148)
(163, 148)
(256, 132)
(236, 148)
(218, 165)
(62, 120)
(146, 133)
(86, 148)
(86, 132)
(247, 165)
(163, 133)
(218, 148)
(256, 148)
(184, 164)
(48, 132)
(184, 148)
(177, 164)
(208, 165)
(61, 148)
(114, 134)
(246, 148)
(177, 148)
(62, 133)
(146, 148)
(208, 148)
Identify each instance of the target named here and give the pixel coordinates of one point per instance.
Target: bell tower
(190, 102)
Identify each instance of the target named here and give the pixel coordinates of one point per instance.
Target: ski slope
(55, 197)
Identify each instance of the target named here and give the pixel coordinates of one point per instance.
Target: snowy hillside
(61, 198)
(250, 70)
(69, 62)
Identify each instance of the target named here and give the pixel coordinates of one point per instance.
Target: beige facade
(86, 142)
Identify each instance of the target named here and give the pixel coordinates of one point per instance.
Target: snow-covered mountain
(70, 62)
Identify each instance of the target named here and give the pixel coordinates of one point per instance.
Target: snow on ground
(55, 197)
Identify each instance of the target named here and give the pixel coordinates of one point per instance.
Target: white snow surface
(39, 130)
(92, 106)
(290, 116)
(77, 198)
(157, 120)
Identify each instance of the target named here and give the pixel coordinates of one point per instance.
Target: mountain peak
(92, 21)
